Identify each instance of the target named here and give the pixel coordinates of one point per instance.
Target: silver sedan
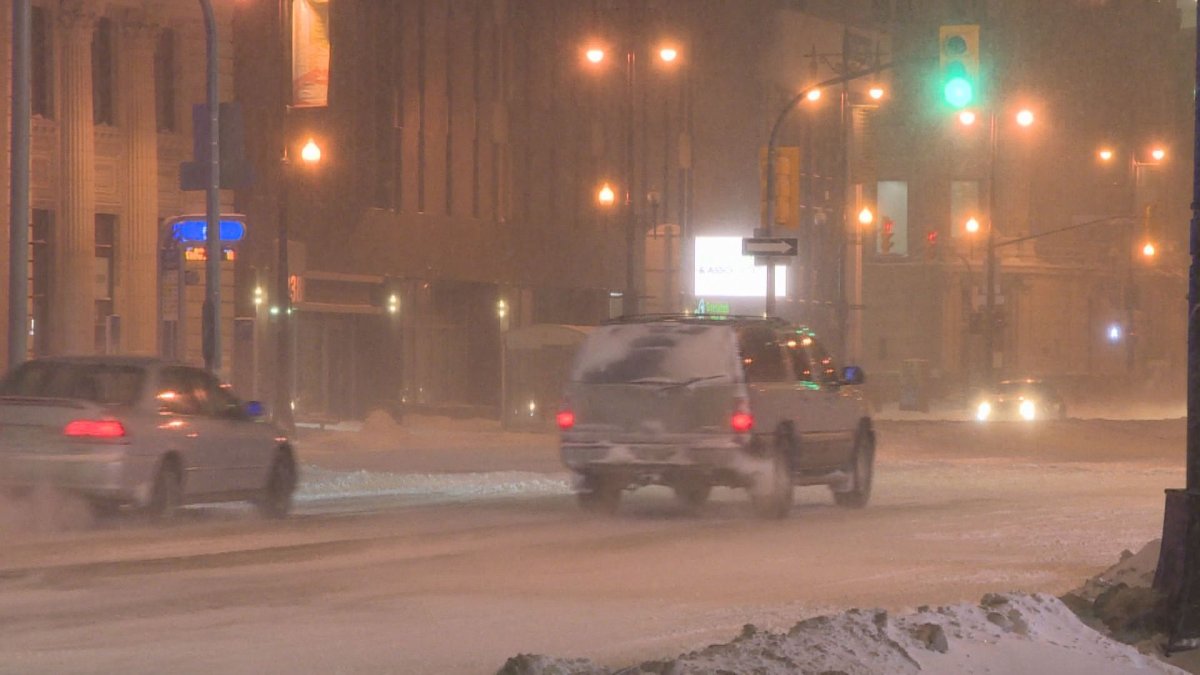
(139, 432)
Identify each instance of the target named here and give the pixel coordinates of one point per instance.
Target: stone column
(137, 241)
(73, 306)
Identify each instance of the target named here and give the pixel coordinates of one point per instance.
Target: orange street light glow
(1148, 250)
(1025, 118)
(1158, 154)
(606, 196)
(865, 216)
(1105, 154)
(967, 118)
(972, 225)
(813, 95)
(668, 54)
(875, 93)
(595, 55)
(311, 152)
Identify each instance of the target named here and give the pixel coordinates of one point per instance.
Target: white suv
(692, 402)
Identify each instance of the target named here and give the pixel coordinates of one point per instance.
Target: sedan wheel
(276, 500)
(167, 494)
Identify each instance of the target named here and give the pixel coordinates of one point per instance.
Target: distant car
(1026, 400)
(139, 432)
(695, 402)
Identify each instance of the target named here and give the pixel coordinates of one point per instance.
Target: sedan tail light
(94, 429)
(742, 421)
(565, 419)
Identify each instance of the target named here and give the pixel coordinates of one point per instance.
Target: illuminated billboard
(723, 272)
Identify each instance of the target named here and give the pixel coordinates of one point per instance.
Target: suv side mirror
(853, 375)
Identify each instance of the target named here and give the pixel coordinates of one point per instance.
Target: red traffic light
(885, 236)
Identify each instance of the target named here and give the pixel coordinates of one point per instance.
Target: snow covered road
(449, 550)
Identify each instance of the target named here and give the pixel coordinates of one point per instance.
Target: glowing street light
(1105, 154)
(606, 197)
(1148, 249)
(668, 54)
(311, 152)
(972, 225)
(1158, 154)
(813, 95)
(595, 55)
(865, 217)
(967, 118)
(875, 93)
(1025, 117)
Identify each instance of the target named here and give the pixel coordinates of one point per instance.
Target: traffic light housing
(958, 49)
(885, 236)
(931, 245)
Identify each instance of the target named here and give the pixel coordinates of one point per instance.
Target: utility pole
(18, 229)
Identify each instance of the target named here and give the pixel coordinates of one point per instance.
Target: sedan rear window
(106, 384)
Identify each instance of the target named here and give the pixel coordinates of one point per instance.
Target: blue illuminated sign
(197, 230)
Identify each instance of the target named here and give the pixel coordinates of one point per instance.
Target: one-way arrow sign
(782, 246)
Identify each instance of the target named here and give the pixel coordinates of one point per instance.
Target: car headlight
(1028, 410)
(984, 411)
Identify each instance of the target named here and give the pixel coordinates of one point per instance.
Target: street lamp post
(810, 93)
(989, 314)
(1133, 177)
(310, 156)
(630, 299)
(211, 319)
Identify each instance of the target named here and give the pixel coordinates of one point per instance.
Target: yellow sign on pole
(787, 188)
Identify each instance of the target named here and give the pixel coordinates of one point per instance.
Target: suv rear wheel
(771, 490)
(598, 495)
(858, 491)
(692, 494)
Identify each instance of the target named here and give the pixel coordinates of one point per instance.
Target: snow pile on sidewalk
(1004, 633)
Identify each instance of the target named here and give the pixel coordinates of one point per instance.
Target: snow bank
(1012, 633)
(318, 484)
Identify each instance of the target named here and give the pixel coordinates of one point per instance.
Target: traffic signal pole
(1179, 557)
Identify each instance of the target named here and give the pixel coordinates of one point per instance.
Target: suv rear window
(653, 353)
(106, 384)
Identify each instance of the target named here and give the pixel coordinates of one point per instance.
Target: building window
(106, 238)
(103, 74)
(964, 205)
(893, 208)
(41, 85)
(164, 81)
(40, 276)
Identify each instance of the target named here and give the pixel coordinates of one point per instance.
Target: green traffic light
(958, 92)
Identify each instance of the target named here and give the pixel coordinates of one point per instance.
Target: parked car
(1027, 400)
(139, 432)
(695, 402)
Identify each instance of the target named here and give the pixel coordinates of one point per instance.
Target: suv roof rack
(697, 318)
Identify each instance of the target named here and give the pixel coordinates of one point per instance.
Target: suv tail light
(565, 419)
(94, 429)
(742, 421)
